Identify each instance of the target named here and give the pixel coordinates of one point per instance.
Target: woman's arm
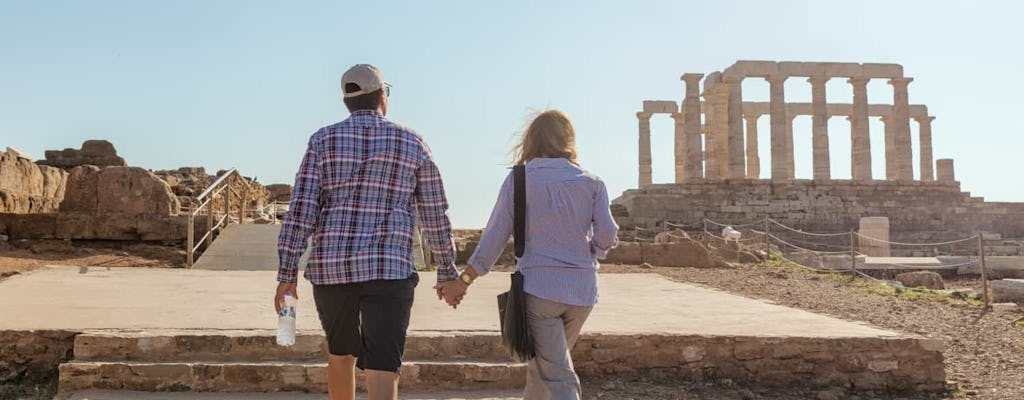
(497, 232)
(605, 230)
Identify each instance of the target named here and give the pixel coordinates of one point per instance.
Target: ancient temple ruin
(711, 142)
(718, 166)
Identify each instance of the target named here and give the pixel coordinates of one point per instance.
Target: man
(355, 194)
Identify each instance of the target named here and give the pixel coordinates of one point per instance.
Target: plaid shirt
(355, 193)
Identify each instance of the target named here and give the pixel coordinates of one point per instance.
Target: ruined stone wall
(917, 211)
(100, 153)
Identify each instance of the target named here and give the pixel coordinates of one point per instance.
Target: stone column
(777, 113)
(944, 169)
(710, 135)
(860, 134)
(722, 128)
(790, 156)
(679, 139)
(753, 160)
(819, 138)
(645, 149)
(890, 148)
(925, 131)
(904, 158)
(692, 153)
(736, 165)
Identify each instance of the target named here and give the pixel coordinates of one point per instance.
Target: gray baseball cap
(367, 77)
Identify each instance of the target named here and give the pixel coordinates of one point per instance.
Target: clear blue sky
(244, 83)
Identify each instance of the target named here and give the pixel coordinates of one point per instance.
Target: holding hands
(453, 292)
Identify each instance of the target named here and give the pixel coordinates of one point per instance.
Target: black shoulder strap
(519, 213)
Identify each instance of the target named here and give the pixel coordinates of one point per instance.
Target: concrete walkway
(126, 395)
(248, 247)
(73, 298)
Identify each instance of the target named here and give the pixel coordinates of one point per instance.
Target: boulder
(684, 253)
(926, 279)
(118, 190)
(80, 194)
(1008, 291)
(29, 188)
(100, 153)
(673, 236)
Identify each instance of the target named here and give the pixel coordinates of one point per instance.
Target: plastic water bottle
(286, 321)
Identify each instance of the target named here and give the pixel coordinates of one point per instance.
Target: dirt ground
(26, 257)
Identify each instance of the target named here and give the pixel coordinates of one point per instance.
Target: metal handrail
(205, 198)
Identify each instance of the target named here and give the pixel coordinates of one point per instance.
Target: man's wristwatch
(465, 278)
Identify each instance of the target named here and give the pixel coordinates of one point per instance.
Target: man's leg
(341, 377)
(338, 308)
(381, 385)
(385, 308)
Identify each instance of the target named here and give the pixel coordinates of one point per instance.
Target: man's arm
(302, 215)
(433, 211)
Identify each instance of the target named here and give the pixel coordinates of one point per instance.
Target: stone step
(513, 394)
(276, 376)
(250, 346)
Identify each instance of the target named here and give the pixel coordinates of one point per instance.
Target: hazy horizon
(243, 84)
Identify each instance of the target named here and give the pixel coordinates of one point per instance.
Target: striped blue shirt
(569, 226)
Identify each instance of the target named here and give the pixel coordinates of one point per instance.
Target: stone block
(686, 253)
(926, 279)
(1008, 291)
(874, 233)
(877, 70)
(625, 253)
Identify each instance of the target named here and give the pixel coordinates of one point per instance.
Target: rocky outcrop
(118, 190)
(29, 188)
(280, 192)
(100, 153)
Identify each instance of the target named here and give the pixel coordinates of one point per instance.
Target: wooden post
(984, 274)
(227, 204)
(209, 223)
(190, 241)
(853, 253)
(241, 205)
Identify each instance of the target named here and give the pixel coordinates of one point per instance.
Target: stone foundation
(917, 211)
(233, 361)
(33, 356)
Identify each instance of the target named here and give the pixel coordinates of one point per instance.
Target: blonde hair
(550, 135)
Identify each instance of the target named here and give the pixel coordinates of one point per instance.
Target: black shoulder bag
(515, 332)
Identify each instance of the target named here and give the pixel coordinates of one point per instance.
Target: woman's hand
(452, 292)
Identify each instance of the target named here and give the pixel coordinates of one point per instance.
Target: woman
(569, 227)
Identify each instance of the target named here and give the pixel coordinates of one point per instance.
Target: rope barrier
(737, 226)
(975, 237)
(844, 252)
(809, 233)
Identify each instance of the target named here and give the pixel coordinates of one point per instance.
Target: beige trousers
(555, 328)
